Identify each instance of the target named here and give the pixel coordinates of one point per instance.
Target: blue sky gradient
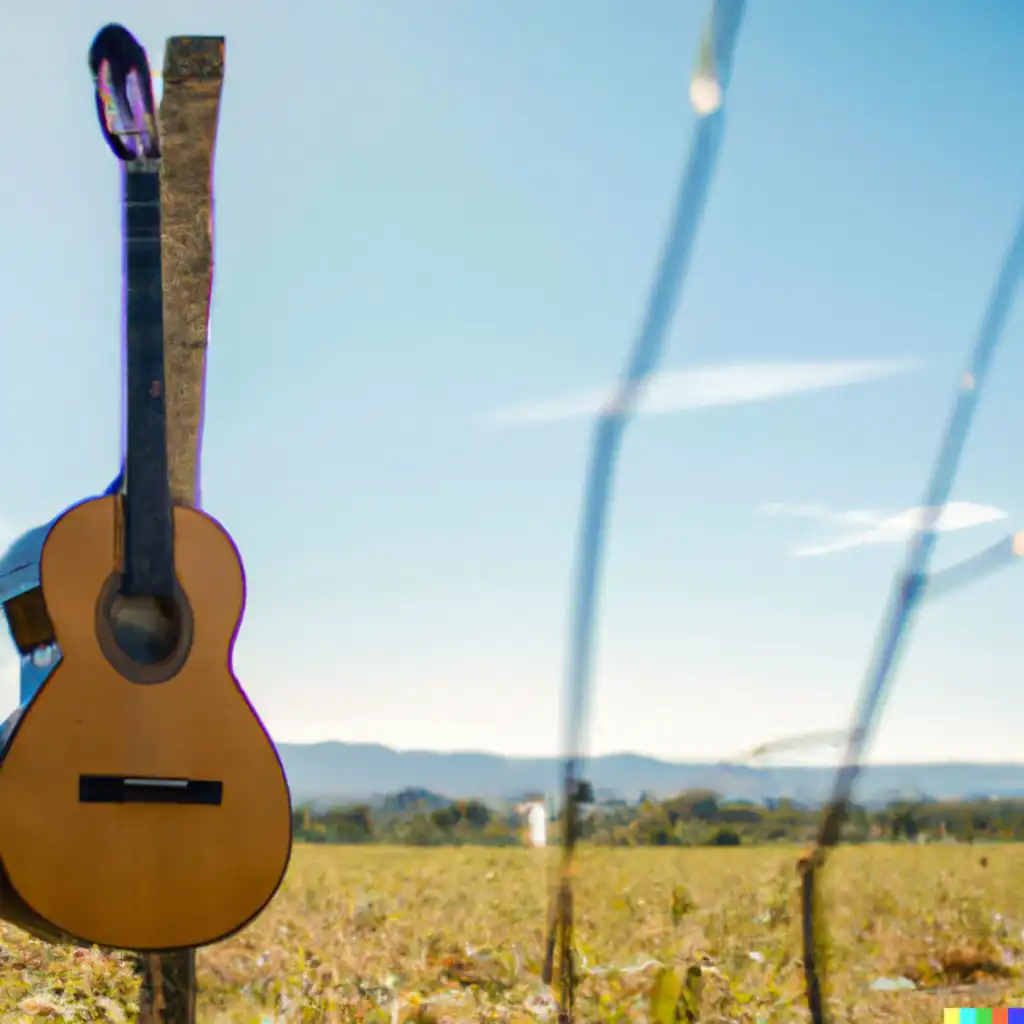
(453, 210)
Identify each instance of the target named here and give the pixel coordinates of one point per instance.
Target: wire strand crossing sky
(669, 281)
(909, 584)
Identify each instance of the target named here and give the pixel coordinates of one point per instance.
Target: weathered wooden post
(193, 75)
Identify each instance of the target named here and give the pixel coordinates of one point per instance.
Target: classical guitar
(142, 803)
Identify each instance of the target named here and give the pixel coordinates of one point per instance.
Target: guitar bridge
(126, 789)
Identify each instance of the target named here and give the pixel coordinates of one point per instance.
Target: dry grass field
(390, 934)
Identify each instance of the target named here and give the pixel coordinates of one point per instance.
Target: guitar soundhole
(146, 639)
(146, 629)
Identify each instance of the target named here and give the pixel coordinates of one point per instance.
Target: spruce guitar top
(142, 803)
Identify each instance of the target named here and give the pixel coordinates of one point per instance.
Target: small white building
(535, 816)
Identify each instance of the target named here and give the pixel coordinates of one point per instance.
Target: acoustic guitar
(142, 804)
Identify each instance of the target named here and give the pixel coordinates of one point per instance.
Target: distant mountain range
(341, 772)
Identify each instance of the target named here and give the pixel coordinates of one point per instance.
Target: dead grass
(383, 934)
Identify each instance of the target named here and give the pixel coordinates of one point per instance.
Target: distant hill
(336, 772)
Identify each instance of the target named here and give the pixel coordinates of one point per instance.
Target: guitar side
(106, 865)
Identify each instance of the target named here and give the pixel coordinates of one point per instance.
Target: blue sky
(453, 210)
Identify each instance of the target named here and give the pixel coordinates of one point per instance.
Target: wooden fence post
(193, 75)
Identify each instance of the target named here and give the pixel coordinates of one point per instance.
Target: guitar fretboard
(149, 532)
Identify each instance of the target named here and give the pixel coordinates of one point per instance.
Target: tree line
(692, 818)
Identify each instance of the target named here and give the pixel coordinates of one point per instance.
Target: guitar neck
(148, 523)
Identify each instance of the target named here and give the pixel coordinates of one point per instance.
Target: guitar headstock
(124, 95)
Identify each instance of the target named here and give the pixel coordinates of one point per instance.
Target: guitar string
(908, 589)
(726, 18)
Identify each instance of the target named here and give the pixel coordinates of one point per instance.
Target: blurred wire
(818, 738)
(903, 602)
(713, 72)
(997, 556)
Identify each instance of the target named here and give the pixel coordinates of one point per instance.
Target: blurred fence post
(192, 78)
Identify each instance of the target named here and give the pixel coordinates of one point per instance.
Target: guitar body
(142, 806)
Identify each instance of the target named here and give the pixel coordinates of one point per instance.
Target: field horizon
(334, 770)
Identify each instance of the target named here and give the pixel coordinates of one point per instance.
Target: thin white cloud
(881, 527)
(705, 387)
